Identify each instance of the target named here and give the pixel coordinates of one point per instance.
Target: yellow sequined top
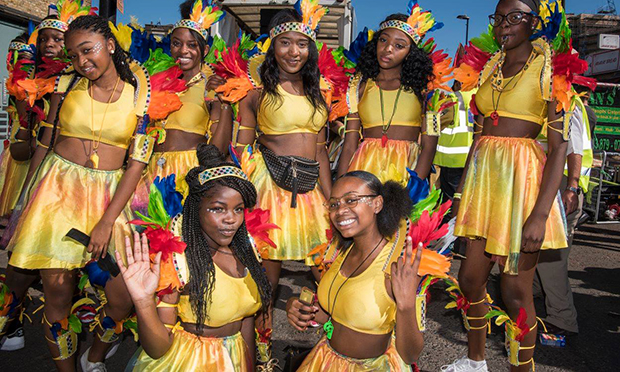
(363, 303)
(288, 114)
(193, 116)
(232, 299)
(82, 117)
(408, 111)
(525, 95)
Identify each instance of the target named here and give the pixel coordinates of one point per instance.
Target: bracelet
(224, 106)
(457, 196)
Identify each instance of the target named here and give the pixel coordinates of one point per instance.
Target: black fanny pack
(292, 173)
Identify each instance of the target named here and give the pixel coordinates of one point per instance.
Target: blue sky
(371, 12)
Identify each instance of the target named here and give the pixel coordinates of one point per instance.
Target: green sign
(606, 104)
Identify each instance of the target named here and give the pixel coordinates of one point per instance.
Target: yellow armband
(39, 143)
(143, 148)
(433, 123)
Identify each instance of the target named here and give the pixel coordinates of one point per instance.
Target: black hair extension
(199, 259)
(417, 68)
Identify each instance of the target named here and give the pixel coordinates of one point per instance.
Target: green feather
(218, 45)
(3, 291)
(486, 42)
(427, 204)
(75, 324)
(493, 314)
(158, 61)
(157, 212)
(83, 281)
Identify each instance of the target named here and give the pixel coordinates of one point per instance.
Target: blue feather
(233, 155)
(30, 27)
(171, 197)
(357, 46)
(410, 6)
(298, 7)
(96, 276)
(436, 26)
(108, 323)
(418, 188)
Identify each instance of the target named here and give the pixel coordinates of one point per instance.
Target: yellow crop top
(408, 111)
(232, 299)
(76, 119)
(363, 303)
(525, 96)
(288, 114)
(193, 116)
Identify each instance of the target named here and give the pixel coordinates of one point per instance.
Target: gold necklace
(94, 157)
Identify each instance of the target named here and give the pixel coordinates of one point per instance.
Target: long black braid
(120, 58)
(199, 260)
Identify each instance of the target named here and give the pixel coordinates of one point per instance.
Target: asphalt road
(595, 278)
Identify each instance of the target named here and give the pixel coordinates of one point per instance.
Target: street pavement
(594, 272)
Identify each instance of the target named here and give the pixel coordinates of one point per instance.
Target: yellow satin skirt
(500, 191)
(190, 352)
(302, 228)
(163, 164)
(62, 196)
(388, 163)
(13, 176)
(324, 358)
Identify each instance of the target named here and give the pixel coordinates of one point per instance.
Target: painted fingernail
(313, 324)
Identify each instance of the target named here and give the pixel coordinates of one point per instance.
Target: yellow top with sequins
(408, 110)
(288, 114)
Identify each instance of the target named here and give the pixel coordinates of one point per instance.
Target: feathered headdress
(311, 13)
(418, 24)
(68, 11)
(202, 17)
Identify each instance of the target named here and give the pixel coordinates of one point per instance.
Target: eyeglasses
(513, 18)
(348, 201)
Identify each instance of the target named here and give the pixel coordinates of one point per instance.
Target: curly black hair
(185, 8)
(310, 74)
(397, 204)
(199, 260)
(417, 68)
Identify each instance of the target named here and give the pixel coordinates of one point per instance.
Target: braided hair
(199, 259)
(416, 71)
(120, 58)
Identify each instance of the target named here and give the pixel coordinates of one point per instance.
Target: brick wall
(37, 8)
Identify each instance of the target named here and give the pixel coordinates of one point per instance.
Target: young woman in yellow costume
(182, 130)
(205, 319)
(367, 298)
(81, 181)
(31, 94)
(509, 204)
(290, 165)
(386, 101)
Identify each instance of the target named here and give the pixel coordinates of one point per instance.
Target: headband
(311, 13)
(201, 18)
(220, 172)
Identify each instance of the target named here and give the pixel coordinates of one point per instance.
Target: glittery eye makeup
(97, 47)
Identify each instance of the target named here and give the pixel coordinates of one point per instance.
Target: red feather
(332, 72)
(51, 67)
(169, 80)
(475, 57)
(232, 63)
(164, 241)
(258, 225)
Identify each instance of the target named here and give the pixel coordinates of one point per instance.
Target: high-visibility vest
(588, 156)
(456, 139)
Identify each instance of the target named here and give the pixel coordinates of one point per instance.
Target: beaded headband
(18, 46)
(201, 18)
(220, 172)
(403, 26)
(292, 26)
(54, 24)
(189, 24)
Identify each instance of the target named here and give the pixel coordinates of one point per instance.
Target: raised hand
(140, 276)
(405, 278)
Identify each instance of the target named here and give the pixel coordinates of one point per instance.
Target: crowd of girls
(180, 183)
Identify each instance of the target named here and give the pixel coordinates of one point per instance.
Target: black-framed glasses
(348, 201)
(513, 18)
